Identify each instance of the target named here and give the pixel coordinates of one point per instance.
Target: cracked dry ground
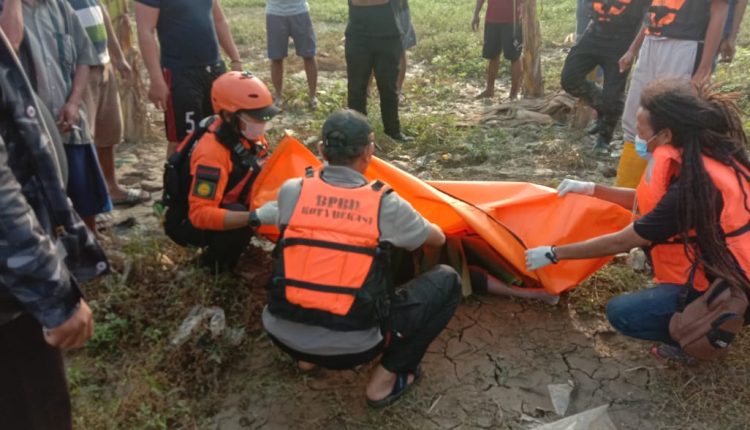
(489, 369)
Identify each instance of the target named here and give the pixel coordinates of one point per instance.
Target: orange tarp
(510, 216)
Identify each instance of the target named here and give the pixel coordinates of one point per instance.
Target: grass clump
(131, 375)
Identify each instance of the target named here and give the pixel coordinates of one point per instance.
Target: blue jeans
(645, 314)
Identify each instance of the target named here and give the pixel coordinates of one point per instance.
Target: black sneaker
(400, 137)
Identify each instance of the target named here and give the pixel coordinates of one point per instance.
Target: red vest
(671, 263)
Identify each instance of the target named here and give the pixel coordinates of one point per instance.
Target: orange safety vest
(332, 269)
(606, 10)
(223, 175)
(672, 264)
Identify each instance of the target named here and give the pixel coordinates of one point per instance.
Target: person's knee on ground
(617, 314)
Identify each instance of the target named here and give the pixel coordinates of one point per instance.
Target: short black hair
(346, 134)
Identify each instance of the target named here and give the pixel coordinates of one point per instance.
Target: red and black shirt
(679, 19)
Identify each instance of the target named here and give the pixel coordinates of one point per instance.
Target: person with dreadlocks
(694, 201)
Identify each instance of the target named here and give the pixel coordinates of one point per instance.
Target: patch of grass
(708, 395)
(558, 21)
(591, 297)
(130, 375)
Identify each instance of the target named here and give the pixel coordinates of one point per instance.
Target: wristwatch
(253, 221)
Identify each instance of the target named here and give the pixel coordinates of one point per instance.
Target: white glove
(536, 258)
(573, 186)
(268, 213)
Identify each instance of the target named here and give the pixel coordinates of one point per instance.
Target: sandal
(671, 353)
(400, 387)
(133, 196)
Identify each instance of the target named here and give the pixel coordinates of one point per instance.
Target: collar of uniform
(343, 176)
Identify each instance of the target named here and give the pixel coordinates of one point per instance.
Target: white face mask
(254, 130)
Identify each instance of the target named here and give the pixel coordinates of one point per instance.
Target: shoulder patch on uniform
(208, 173)
(206, 179)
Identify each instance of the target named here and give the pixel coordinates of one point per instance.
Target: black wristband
(552, 255)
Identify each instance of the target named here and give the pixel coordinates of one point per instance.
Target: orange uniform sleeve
(210, 167)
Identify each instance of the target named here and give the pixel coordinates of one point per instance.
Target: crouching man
(331, 302)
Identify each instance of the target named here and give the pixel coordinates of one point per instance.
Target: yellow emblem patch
(204, 189)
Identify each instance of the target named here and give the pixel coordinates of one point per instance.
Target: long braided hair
(702, 122)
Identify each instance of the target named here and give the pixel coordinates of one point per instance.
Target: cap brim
(264, 114)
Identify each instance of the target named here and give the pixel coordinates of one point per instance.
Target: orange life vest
(606, 10)
(332, 269)
(672, 263)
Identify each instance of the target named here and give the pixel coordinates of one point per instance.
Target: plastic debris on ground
(198, 314)
(592, 419)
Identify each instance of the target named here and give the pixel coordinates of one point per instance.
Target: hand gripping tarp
(510, 216)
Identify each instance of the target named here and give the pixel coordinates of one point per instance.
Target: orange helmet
(241, 91)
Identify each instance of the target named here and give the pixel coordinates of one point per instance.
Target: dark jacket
(45, 249)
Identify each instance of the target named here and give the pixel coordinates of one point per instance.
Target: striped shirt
(90, 14)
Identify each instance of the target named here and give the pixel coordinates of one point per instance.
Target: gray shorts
(298, 27)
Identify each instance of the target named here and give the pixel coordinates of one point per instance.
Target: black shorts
(502, 38)
(189, 98)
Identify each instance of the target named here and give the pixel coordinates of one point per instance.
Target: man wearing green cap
(331, 301)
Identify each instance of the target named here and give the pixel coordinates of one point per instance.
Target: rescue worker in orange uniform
(694, 201)
(613, 26)
(225, 162)
(331, 301)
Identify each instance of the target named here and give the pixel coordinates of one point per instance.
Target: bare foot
(486, 94)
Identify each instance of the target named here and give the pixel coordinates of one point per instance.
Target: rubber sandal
(671, 353)
(400, 387)
(132, 197)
